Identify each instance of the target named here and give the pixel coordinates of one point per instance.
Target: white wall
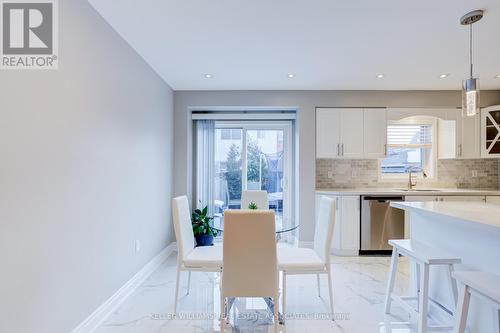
(305, 102)
(85, 170)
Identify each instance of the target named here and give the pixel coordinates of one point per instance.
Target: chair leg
(189, 282)
(461, 311)
(176, 297)
(392, 278)
(222, 314)
(416, 278)
(330, 289)
(284, 296)
(498, 321)
(423, 299)
(319, 287)
(276, 312)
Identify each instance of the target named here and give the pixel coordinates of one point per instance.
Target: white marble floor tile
(359, 287)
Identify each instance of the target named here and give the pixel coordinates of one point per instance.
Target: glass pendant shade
(470, 97)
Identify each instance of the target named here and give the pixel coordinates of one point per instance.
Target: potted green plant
(204, 233)
(253, 206)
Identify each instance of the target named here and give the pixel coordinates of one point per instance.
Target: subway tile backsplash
(337, 173)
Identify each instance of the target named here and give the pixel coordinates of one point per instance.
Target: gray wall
(306, 102)
(85, 170)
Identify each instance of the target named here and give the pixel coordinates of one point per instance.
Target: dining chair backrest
(325, 223)
(258, 197)
(182, 226)
(249, 254)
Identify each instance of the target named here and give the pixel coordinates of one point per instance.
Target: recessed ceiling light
(497, 76)
(291, 76)
(380, 76)
(444, 76)
(208, 76)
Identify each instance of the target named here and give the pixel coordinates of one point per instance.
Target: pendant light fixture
(470, 86)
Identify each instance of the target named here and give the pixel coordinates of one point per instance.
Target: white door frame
(286, 127)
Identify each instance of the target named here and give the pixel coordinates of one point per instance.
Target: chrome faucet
(411, 184)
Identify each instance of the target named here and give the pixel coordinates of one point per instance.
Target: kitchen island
(468, 230)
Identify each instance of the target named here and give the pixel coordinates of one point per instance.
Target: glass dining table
(281, 227)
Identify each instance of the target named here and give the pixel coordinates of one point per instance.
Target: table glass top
(281, 226)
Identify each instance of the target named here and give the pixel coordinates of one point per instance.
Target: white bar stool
(479, 283)
(424, 257)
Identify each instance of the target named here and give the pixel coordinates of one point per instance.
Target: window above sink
(411, 147)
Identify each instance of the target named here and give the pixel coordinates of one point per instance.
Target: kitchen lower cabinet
(421, 198)
(346, 234)
(347, 223)
(493, 199)
(425, 198)
(462, 198)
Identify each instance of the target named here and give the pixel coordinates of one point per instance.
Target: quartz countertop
(476, 212)
(400, 191)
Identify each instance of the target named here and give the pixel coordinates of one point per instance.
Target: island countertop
(475, 212)
(466, 230)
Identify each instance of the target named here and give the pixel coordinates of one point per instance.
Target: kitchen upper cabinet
(447, 139)
(458, 137)
(375, 133)
(350, 133)
(468, 136)
(490, 131)
(328, 133)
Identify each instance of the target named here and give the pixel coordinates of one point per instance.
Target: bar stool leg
(498, 320)
(318, 283)
(416, 278)
(392, 278)
(462, 310)
(423, 299)
(453, 284)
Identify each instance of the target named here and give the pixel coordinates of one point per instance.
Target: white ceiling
(327, 44)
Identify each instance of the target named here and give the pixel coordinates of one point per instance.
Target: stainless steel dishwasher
(379, 223)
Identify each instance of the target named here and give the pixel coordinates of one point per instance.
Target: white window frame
(433, 175)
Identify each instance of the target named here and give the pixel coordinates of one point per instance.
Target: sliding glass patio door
(253, 155)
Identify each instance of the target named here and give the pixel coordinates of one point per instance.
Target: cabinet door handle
(342, 149)
(338, 149)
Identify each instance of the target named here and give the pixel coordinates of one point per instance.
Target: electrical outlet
(137, 245)
(330, 174)
(474, 173)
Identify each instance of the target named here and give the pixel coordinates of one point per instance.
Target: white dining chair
(189, 257)
(258, 197)
(293, 261)
(250, 263)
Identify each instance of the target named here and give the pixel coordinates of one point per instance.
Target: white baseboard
(102, 312)
(345, 253)
(306, 244)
